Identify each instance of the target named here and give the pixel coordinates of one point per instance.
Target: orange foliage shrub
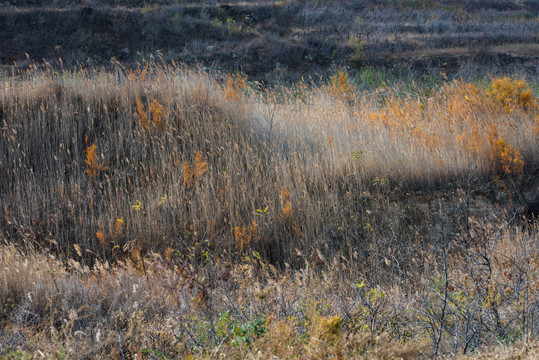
(143, 117)
(156, 115)
(287, 205)
(341, 87)
(101, 236)
(191, 173)
(157, 110)
(504, 157)
(243, 235)
(118, 226)
(512, 94)
(93, 168)
(233, 86)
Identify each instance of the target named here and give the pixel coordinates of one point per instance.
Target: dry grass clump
(53, 310)
(516, 351)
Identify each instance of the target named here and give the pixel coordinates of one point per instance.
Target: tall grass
(167, 212)
(170, 158)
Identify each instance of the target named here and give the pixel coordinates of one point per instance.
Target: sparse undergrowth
(482, 294)
(167, 213)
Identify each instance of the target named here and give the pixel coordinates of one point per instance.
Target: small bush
(512, 94)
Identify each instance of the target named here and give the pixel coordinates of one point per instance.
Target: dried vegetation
(170, 213)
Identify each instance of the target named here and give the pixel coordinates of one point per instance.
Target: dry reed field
(169, 213)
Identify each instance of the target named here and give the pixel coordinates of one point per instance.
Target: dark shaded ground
(279, 40)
